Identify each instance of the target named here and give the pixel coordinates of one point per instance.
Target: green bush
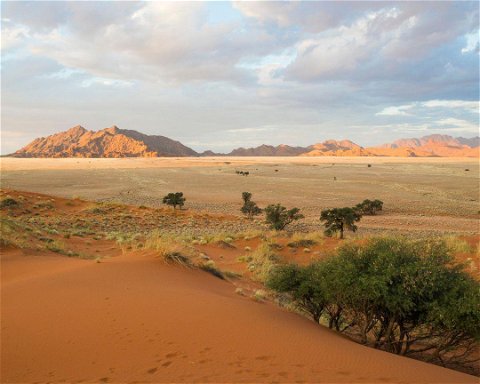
(405, 297)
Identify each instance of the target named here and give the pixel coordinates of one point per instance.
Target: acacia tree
(174, 199)
(249, 208)
(369, 207)
(279, 217)
(338, 219)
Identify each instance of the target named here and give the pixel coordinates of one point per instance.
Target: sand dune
(132, 318)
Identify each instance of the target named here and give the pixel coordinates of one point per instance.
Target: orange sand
(131, 318)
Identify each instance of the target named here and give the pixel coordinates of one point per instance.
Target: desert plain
(420, 194)
(82, 304)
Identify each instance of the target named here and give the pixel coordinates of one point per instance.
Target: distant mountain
(428, 146)
(108, 142)
(116, 142)
(268, 150)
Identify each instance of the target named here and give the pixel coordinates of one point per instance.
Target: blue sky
(218, 75)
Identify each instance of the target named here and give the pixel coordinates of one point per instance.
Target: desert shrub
(249, 208)
(174, 199)
(369, 207)
(405, 297)
(302, 243)
(337, 220)
(8, 202)
(278, 217)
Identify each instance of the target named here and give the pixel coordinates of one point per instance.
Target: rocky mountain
(116, 142)
(432, 145)
(108, 142)
(268, 150)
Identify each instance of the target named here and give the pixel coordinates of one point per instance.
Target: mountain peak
(108, 142)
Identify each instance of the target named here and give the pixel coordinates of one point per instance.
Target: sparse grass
(211, 268)
(259, 295)
(245, 259)
(305, 240)
(56, 246)
(168, 249)
(263, 261)
(12, 234)
(457, 245)
(232, 275)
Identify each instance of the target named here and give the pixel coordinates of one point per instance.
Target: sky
(220, 75)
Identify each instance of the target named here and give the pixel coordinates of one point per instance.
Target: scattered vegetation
(278, 217)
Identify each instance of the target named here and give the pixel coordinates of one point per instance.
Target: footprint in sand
(170, 355)
(152, 370)
(166, 364)
(263, 358)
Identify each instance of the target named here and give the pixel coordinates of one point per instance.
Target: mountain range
(116, 142)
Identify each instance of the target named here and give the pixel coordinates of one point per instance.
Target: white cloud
(472, 43)
(396, 111)
(472, 106)
(458, 125)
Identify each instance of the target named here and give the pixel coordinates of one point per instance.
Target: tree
(369, 207)
(249, 208)
(339, 219)
(174, 199)
(279, 217)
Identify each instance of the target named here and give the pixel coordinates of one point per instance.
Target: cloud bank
(219, 75)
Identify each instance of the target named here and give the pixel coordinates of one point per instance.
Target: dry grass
(263, 260)
(169, 249)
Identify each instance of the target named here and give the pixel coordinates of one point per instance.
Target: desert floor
(110, 313)
(420, 195)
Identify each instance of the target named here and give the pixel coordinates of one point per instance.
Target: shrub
(369, 207)
(278, 217)
(8, 202)
(174, 199)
